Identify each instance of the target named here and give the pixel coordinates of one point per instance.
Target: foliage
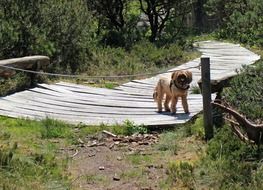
(59, 29)
(246, 93)
(224, 153)
(14, 84)
(196, 128)
(181, 171)
(28, 161)
(160, 12)
(168, 142)
(130, 128)
(142, 57)
(55, 129)
(112, 10)
(239, 20)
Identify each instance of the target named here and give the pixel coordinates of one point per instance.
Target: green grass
(182, 171)
(196, 90)
(94, 179)
(138, 159)
(127, 128)
(168, 142)
(55, 129)
(28, 160)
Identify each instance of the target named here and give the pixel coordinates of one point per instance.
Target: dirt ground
(105, 162)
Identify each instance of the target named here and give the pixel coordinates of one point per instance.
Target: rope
(92, 77)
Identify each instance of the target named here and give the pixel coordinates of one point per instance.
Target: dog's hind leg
(185, 104)
(166, 103)
(160, 101)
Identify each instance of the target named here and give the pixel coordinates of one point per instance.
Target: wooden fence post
(206, 92)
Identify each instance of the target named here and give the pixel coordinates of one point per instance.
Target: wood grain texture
(132, 101)
(37, 61)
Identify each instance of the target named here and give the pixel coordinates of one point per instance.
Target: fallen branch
(254, 131)
(237, 131)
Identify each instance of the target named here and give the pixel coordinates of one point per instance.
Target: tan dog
(172, 89)
(179, 86)
(161, 91)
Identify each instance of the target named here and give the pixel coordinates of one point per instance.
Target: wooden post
(206, 92)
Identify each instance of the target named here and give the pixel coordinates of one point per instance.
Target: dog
(171, 90)
(179, 85)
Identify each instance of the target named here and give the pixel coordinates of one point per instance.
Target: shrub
(239, 20)
(246, 93)
(181, 171)
(168, 142)
(228, 163)
(59, 29)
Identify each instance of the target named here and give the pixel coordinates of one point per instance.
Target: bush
(59, 29)
(229, 163)
(239, 20)
(246, 93)
(181, 171)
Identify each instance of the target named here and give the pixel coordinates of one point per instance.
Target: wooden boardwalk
(131, 101)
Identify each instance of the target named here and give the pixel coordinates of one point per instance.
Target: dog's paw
(187, 112)
(168, 110)
(159, 111)
(173, 113)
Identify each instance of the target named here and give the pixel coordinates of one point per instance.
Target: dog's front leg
(173, 104)
(185, 104)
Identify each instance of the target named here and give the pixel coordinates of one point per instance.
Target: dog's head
(181, 79)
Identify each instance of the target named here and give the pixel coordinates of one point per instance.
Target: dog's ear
(189, 76)
(174, 75)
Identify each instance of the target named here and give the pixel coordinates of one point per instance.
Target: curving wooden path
(131, 101)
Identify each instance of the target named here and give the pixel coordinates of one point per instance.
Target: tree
(112, 10)
(160, 12)
(238, 19)
(200, 14)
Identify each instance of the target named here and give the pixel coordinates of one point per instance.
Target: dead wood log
(28, 63)
(253, 131)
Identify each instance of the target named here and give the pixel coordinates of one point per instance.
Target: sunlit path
(131, 101)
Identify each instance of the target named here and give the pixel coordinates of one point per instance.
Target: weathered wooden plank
(23, 63)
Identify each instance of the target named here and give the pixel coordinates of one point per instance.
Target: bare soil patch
(104, 162)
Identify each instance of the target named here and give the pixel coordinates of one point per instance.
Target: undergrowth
(246, 91)
(28, 159)
(227, 162)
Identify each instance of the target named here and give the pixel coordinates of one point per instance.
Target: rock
(80, 141)
(119, 158)
(111, 145)
(144, 143)
(93, 143)
(116, 177)
(101, 168)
